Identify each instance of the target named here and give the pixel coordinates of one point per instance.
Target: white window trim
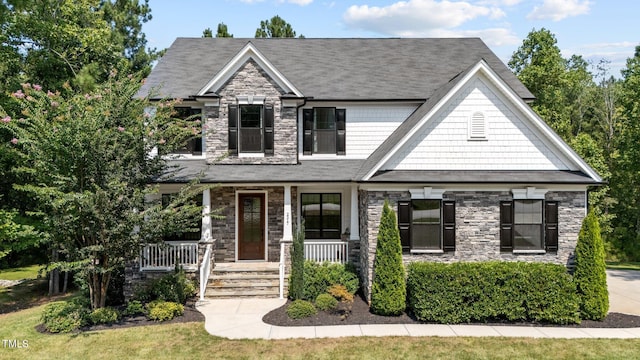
(529, 193)
(427, 193)
(250, 99)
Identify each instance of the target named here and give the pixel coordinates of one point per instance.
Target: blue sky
(595, 29)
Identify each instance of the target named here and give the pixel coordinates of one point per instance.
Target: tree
(559, 85)
(296, 287)
(590, 274)
(207, 33)
(388, 291)
(61, 41)
(223, 32)
(275, 28)
(87, 160)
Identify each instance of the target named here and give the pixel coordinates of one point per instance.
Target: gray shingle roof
(344, 69)
(307, 171)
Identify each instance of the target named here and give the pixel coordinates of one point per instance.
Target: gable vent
(477, 127)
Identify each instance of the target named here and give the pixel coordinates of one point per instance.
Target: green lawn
(623, 265)
(26, 272)
(190, 341)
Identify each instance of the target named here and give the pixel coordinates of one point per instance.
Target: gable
(478, 130)
(410, 146)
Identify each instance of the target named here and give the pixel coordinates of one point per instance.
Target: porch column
(355, 218)
(206, 218)
(287, 233)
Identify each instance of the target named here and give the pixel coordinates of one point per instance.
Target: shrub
(105, 315)
(326, 302)
(133, 308)
(63, 317)
(173, 287)
(296, 281)
(388, 291)
(464, 292)
(300, 309)
(339, 292)
(319, 277)
(590, 275)
(160, 310)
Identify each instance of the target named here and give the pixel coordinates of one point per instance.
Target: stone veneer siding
(477, 228)
(250, 79)
(224, 230)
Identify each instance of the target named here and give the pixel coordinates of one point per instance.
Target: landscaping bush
(160, 310)
(300, 309)
(590, 275)
(134, 308)
(319, 277)
(326, 302)
(173, 287)
(388, 291)
(105, 315)
(296, 281)
(340, 292)
(64, 316)
(514, 291)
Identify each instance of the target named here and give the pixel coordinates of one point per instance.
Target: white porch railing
(205, 270)
(167, 255)
(331, 251)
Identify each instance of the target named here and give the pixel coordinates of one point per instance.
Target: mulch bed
(361, 315)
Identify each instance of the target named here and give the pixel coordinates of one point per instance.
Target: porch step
(233, 280)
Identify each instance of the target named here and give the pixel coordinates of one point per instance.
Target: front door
(251, 224)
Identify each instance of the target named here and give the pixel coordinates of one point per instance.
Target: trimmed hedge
(64, 316)
(388, 291)
(296, 280)
(590, 275)
(300, 309)
(478, 292)
(319, 277)
(160, 310)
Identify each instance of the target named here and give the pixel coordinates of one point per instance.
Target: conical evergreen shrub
(590, 275)
(388, 292)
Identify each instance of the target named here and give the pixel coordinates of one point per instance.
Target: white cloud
(492, 37)
(415, 16)
(557, 10)
(499, 2)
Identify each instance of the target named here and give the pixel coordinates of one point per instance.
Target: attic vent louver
(477, 127)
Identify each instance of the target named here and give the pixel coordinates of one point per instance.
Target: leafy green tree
(207, 33)
(388, 291)
(16, 235)
(87, 160)
(590, 274)
(625, 182)
(223, 32)
(275, 28)
(76, 41)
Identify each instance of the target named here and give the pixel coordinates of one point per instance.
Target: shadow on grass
(25, 295)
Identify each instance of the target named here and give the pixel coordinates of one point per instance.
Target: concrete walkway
(242, 319)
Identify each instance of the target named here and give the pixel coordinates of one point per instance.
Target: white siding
(444, 144)
(367, 126)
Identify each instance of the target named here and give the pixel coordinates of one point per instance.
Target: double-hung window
(528, 225)
(324, 131)
(193, 146)
(251, 129)
(322, 214)
(427, 225)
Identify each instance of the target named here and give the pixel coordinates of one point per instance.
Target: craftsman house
(324, 130)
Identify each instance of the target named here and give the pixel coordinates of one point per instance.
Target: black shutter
(449, 225)
(506, 226)
(307, 137)
(341, 143)
(233, 129)
(551, 226)
(268, 129)
(404, 224)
